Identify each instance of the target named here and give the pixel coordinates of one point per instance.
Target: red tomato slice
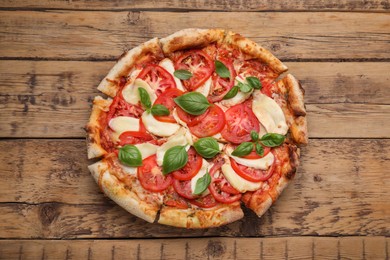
(240, 121)
(191, 168)
(166, 99)
(254, 155)
(221, 86)
(183, 188)
(119, 107)
(190, 120)
(207, 201)
(252, 174)
(158, 78)
(220, 188)
(199, 64)
(173, 199)
(134, 137)
(210, 125)
(151, 177)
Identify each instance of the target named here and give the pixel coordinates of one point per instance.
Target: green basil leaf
(245, 88)
(254, 136)
(193, 103)
(174, 159)
(202, 184)
(144, 97)
(259, 149)
(130, 155)
(221, 69)
(243, 149)
(254, 82)
(160, 110)
(232, 93)
(272, 139)
(207, 147)
(182, 74)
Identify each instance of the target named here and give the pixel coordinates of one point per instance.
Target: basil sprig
(246, 86)
(259, 149)
(130, 155)
(159, 110)
(175, 158)
(272, 139)
(202, 184)
(156, 110)
(182, 74)
(221, 69)
(254, 135)
(207, 147)
(269, 140)
(253, 82)
(193, 103)
(243, 149)
(232, 93)
(145, 98)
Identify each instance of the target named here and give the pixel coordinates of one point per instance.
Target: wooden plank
(33, 91)
(196, 248)
(340, 189)
(85, 35)
(217, 5)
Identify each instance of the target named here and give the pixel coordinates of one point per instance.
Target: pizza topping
(151, 177)
(222, 70)
(193, 103)
(134, 137)
(119, 107)
(202, 184)
(173, 199)
(175, 158)
(157, 127)
(194, 164)
(182, 74)
(259, 149)
(232, 93)
(131, 95)
(262, 163)
(210, 125)
(243, 149)
(158, 78)
(166, 99)
(130, 155)
(222, 84)
(202, 172)
(206, 201)
(144, 98)
(251, 173)
(183, 188)
(254, 136)
(159, 110)
(122, 124)
(199, 64)
(146, 149)
(207, 147)
(167, 64)
(181, 138)
(205, 88)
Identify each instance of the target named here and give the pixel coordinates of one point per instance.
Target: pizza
(196, 126)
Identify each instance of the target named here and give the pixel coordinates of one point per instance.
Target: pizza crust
(123, 67)
(93, 128)
(201, 218)
(190, 38)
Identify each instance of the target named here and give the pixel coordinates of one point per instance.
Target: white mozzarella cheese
(205, 88)
(262, 163)
(122, 124)
(167, 64)
(269, 113)
(176, 140)
(131, 95)
(200, 174)
(177, 118)
(147, 149)
(237, 181)
(157, 127)
(263, 131)
(237, 99)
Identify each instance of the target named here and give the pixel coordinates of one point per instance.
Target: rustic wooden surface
(54, 53)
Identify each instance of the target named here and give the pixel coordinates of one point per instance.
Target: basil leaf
(254, 136)
(144, 97)
(254, 82)
(272, 139)
(207, 147)
(232, 93)
(130, 155)
(221, 69)
(245, 88)
(174, 159)
(259, 149)
(160, 110)
(202, 184)
(243, 149)
(182, 74)
(193, 103)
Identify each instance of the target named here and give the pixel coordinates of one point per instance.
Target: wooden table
(53, 55)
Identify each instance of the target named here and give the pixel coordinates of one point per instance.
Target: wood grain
(217, 5)
(91, 35)
(200, 248)
(340, 190)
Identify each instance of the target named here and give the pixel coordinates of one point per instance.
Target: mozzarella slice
(269, 113)
(262, 163)
(263, 131)
(205, 88)
(157, 127)
(200, 174)
(147, 149)
(177, 118)
(122, 124)
(237, 181)
(237, 99)
(176, 140)
(131, 95)
(167, 64)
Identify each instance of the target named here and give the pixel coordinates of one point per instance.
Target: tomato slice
(254, 155)
(166, 99)
(252, 174)
(173, 199)
(199, 64)
(221, 86)
(190, 120)
(151, 177)
(207, 201)
(158, 78)
(211, 124)
(240, 121)
(119, 107)
(134, 137)
(191, 168)
(183, 188)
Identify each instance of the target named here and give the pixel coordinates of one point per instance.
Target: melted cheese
(131, 95)
(167, 64)
(122, 124)
(269, 113)
(157, 127)
(262, 163)
(146, 149)
(205, 88)
(200, 174)
(180, 138)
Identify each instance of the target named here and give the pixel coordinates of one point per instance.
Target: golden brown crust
(255, 50)
(201, 218)
(110, 84)
(190, 38)
(99, 108)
